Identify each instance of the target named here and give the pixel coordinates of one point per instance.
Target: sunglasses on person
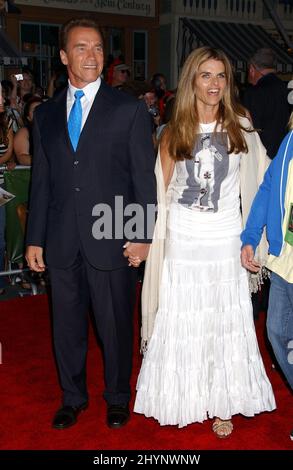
(124, 71)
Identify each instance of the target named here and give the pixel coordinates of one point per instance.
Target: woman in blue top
(273, 208)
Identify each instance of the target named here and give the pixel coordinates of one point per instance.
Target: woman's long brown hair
(184, 123)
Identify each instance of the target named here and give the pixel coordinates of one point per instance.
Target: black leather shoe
(117, 415)
(67, 416)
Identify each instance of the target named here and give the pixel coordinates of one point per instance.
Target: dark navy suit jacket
(270, 111)
(114, 157)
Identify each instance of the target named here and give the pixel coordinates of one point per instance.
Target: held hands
(34, 258)
(136, 253)
(247, 259)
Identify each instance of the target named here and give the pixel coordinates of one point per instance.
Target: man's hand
(136, 253)
(34, 258)
(247, 259)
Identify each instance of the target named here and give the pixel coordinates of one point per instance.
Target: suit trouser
(112, 296)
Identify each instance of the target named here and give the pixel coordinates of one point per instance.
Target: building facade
(130, 27)
(236, 26)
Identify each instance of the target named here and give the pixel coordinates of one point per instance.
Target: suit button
(77, 189)
(76, 162)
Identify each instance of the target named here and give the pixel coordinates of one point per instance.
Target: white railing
(251, 10)
(230, 10)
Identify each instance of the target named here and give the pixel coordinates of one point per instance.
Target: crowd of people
(219, 180)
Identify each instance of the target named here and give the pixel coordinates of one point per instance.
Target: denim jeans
(280, 324)
(2, 244)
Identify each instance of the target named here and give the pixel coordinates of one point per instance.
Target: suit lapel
(59, 122)
(96, 120)
(98, 114)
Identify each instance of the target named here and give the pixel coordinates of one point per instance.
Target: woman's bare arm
(21, 147)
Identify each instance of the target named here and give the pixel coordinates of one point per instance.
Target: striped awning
(239, 41)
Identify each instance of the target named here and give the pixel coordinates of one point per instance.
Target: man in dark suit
(93, 157)
(266, 100)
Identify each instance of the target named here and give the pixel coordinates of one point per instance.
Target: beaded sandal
(222, 429)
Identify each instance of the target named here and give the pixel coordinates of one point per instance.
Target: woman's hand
(247, 259)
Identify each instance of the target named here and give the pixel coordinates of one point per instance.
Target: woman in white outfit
(202, 360)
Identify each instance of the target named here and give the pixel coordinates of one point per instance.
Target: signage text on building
(118, 7)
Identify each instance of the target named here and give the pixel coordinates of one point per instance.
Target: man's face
(163, 84)
(253, 75)
(120, 76)
(150, 98)
(84, 56)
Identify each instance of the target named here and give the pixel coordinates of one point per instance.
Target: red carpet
(29, 396)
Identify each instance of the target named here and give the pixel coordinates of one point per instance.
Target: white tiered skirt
(203, 358)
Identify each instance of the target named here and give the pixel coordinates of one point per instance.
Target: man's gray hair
(264, 58)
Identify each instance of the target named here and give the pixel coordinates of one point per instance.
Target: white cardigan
(252, 168)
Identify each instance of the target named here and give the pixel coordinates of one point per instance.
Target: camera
(154, 111)
(19, 76)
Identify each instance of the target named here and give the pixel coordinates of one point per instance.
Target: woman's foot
(222, 428)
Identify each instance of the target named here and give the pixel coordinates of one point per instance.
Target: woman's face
(210, 83)
(26, 84)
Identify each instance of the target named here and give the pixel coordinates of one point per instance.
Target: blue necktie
(75, 117)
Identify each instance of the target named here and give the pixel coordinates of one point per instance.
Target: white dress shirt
(87, 100)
